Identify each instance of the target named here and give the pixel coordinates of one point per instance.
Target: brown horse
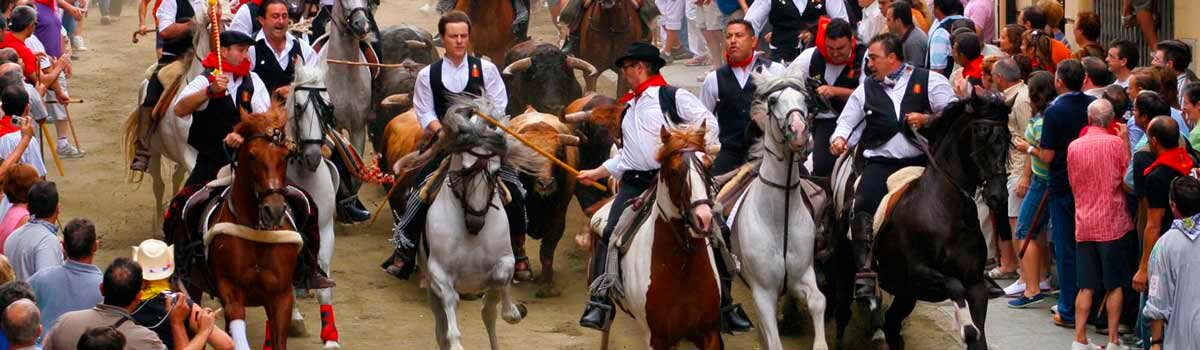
(252, 248)
(491, 26)
(607, 28)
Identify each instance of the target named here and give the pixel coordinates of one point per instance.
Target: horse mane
(256, 123)
(306, 75)
(682, 138)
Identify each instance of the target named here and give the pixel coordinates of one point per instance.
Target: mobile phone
(16, 120)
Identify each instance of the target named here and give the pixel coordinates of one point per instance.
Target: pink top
(12, 220)
(1096, 164)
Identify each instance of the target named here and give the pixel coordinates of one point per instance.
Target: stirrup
(605, 311)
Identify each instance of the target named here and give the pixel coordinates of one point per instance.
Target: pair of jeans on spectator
(1062, 232)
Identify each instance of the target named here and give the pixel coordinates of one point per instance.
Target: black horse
(931, 247)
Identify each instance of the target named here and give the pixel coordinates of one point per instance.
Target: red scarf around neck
(52, 4)
(239, 71)
(1176, 158)
(655, 80)
(822, 24)
(974, 69)
(6, 125)
(739, 64)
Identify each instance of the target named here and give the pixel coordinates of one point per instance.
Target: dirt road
(374, 310)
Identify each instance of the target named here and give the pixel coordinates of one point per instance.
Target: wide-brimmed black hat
(234, 37)
(640, 51)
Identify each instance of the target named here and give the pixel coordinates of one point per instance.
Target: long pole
(214, 16)
(549, 156)
(71, 124)
(1033, 226)
(53, 151)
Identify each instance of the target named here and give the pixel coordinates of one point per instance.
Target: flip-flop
(995, 273)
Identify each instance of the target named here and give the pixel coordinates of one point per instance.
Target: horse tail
(129, 137)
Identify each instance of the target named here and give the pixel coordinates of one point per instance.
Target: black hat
(234, 37)
(644, 52)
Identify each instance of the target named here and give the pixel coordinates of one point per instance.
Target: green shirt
(1033, 135)
(1194, 138)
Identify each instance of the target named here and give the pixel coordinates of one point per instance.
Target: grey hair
(21, 322)
(1007, 69)
(9, 54)
(1100, 113)
(21, 18)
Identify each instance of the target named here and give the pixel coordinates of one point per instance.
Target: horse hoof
(548, 292)
(331, 345)
(522, 310)
(297, 328)
(970, 334)
(523, 275)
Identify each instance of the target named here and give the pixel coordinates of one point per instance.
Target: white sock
(62, 142)
(237, 330)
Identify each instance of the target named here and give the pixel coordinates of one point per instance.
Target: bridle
(324, 112)
(782, 134)
(344, 22)
(276, 138)
(459, 179)
(689, 162)
(987, 175)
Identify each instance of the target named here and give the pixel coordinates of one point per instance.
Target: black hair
(79, 238)
(1151, 104)
(1118, 97)
(1035, 17)
(13, 291)
(749, 26)
(838, 28)
(1165, 130)
(262, 9)
(122, 282)
(1177, 52)
(1128, 51)
(891, 44)
(14, 100)
(1191, 92)
(1071, 73)
(43, 199)
(1185, 193)
(1041, 90)
(1097, 70)
(902, 10)
(949, 7)
(101, 338)
(968, 45)
(1088, 23)
(21, 18)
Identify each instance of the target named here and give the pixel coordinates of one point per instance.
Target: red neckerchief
(53, 5)
(822, 24)
(239, 71)
(1176, 158)
(6, 125)
(739, 64)
(656, 80)
(974, 69)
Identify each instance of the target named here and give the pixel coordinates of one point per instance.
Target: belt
(640, 178)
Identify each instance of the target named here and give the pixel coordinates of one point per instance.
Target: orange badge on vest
(474, 71)
(246, 96)
(917, 89)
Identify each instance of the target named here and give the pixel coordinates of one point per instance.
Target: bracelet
(1029, 150)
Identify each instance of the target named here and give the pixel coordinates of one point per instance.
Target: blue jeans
(1062, 231)
(1033, 197)
(1142, 329)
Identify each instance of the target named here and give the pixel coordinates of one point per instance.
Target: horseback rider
(246, 20)
(325, 15)
(520, 24)
(456, 75)
(636, 166)
(834, 66)
(175, 28)
(214, 102)
(880, 117)
(794, 24)
(728, 91)
(275, 41)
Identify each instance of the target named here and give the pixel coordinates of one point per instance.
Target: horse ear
(664, 134)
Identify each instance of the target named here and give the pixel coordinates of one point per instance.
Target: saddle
(897, 184)
(818, 195)
(171, 78)
(635, 214)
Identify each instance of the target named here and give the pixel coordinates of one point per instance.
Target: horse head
(780, 110)
(262, 162)
(351, 16)
(684, 171)
(978, 126)
(307, 108)
(548, 134)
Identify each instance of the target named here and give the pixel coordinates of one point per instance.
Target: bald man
(22, 324)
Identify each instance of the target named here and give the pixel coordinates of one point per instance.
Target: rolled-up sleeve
(261, 100)
(1160, 299)
(852, 115)
(494, 86)
(940, 93)
(757, 15)
(165, 14)
(423, 99)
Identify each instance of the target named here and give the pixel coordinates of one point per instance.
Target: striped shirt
(1033, 135)
(1095, 165)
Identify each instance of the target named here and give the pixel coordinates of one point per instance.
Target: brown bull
(491, 26)
(596, 119)
(607, 28)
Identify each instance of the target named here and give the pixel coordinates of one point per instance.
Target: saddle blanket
(897, 185)
(247, 233)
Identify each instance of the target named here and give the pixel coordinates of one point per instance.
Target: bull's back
(494, 19)
(400, 137)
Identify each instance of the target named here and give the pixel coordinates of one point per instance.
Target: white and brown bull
(539, 75)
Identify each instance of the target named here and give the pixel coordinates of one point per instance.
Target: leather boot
(352, 210)
(733, 318)
(598, 313)
(861, 245)
(520, 25)
(141, 146)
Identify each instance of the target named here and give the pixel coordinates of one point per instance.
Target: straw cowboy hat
(157, 259)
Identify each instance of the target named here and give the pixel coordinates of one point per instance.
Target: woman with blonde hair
(6, 270)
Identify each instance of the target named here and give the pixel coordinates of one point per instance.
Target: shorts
(1014, 199)
(672, 13)
(1029, 204)
(707, 17)
(56, 111)
(1142, 5)
(1104, 265)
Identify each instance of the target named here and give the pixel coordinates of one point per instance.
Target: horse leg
(977, 297)
(156, 182)
(235, 311)
(490, 300)
(935, 283)
(901, 307)
(708, 341)
(440, 319)
(444, 301)
(765, 300)
(807, 289)
(329, 332)
(296, 328)
(501, 281)
(279, 318)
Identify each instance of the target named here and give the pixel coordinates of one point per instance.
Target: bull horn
(415, 44)
(578, 117)
(396, 100)
(587, 68)
(518, 66)
(568, 140)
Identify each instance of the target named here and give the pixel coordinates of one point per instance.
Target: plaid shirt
(1095, 165)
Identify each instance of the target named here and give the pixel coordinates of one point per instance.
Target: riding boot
(407, 242)
(733, 318)
(350, 209)
(520, 24)
(317, 277)
(598, 313)
(571, 43)
(861, 245)
(141, 146)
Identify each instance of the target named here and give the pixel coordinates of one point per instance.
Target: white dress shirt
(454, 79)
(709, 91)
(167, 9)
(800, 68)
(259, 102)
(758, 11)
(939, 93)
(640, 136)
(243, 20)
(307, 55)
(873, 23)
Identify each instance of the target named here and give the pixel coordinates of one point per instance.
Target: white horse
(467, 248)
(317, 176)
(773, 229)
(349, 85)
(170, 137)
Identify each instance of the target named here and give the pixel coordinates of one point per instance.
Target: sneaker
(1016, 289)
(1112, 346)
(1089, 346)
(77, 43)
(1024, 302)
(69, 152)
(1044, 285)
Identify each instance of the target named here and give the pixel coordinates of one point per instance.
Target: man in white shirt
(791, 21)
(1122, 58)
(873, 20)
(832, 68)
(174, 21)
(877, 117)
(275, 49)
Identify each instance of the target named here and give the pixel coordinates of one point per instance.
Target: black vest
(178, 46)
(881, 119)
(441, 96)
(733, 107)
(950, 53)
(209, 126)
(273, 76)
(848, 79)
(787, 22)
(254, 25)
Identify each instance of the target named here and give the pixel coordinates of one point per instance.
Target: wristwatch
(1029, 150)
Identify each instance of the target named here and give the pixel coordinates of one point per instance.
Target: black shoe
(598, 314)
(319, 281)
(353, 211)
(734, 319)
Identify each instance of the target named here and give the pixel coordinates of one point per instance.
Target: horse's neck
(241, 200)
(952, 159)
(774, 169)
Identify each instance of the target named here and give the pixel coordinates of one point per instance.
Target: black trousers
(633, 183)
(728, 160)
(155, 88)
(822, 159)
(872, 184)
(206, 168)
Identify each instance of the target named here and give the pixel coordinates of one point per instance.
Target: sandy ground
(374, 310)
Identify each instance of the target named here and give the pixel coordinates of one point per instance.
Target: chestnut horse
(607, 28)
(256, 272)
(491, 26)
